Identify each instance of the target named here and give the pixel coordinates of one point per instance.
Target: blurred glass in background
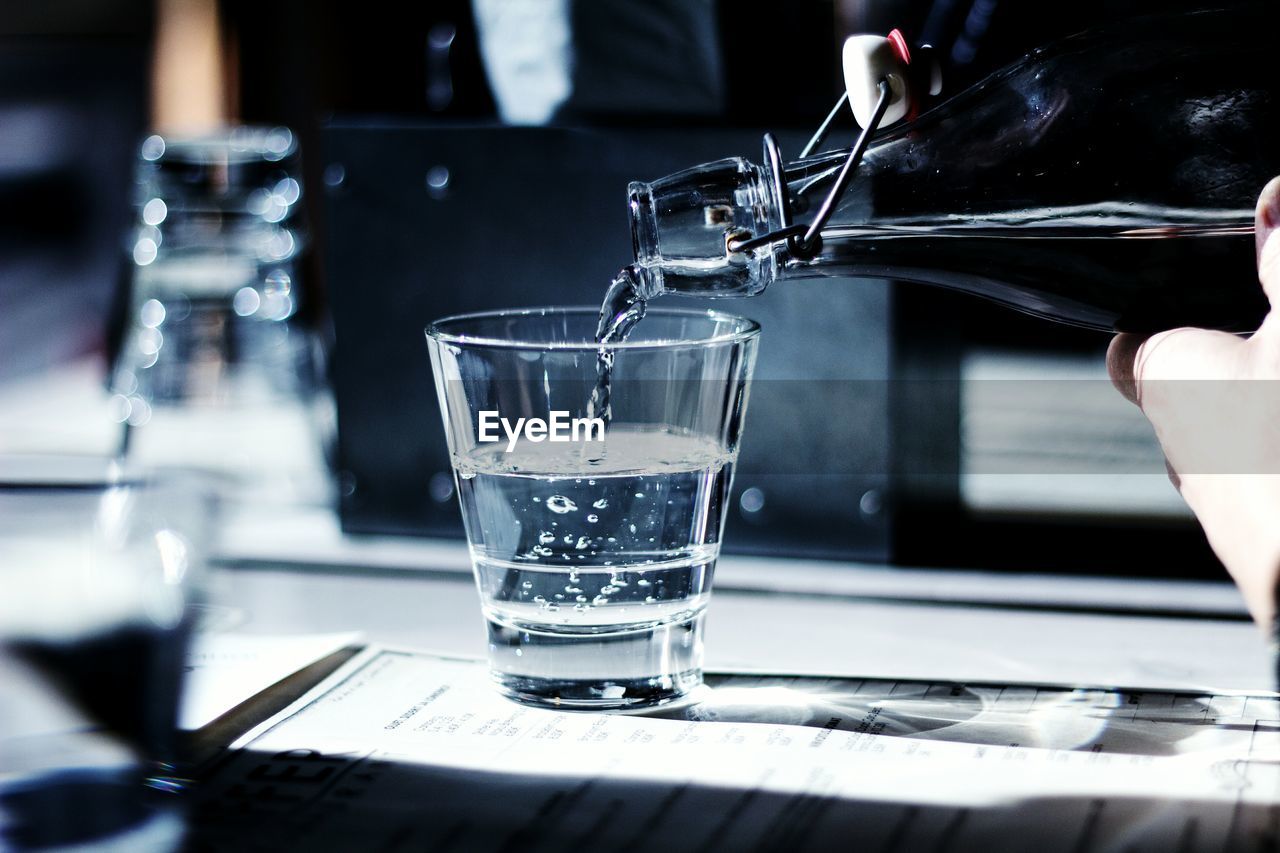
(213, 251)
(215, 371)
(99, 568)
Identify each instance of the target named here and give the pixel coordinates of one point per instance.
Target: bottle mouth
(644, 236)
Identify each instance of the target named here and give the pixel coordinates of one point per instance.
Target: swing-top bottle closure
(745, 208)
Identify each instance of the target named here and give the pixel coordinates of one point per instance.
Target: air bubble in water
(542, 550)
(642, 582)
(527, 584)
(593, 518)
(560, 504)
(600, 504)
(583, 542)
(580, 599)
(545, 538)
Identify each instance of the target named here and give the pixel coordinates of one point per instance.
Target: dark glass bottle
(1107, 180)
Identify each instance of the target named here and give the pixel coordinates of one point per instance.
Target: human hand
(1214, 401)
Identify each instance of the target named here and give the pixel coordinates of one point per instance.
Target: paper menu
(225, 669)
(403, 750)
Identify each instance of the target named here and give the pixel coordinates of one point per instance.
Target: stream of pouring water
(623, 307)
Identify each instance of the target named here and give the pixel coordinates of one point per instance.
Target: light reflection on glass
(154, 211)
(152, 313)
(152, 148)
(144, 251)
(246, 301)
(150, 340)
(172, 548)
(139, 413)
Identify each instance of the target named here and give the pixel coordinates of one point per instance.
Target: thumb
(1186, 353)
(1267, 224)
(1180, 354)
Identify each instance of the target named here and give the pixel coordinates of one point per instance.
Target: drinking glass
(98, 568)
(215, 252)
(217, 368)
(593, 543)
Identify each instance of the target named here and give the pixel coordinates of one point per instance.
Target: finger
(1269, 268)
(1266, 224)
(1266, 216)
(1176, 354)
(1121, 355)
(1186, 354)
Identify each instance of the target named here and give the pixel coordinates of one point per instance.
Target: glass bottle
(1107, 180)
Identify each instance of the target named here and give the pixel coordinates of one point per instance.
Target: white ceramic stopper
(868, 60)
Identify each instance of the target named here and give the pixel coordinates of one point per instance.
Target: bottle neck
(683, 227)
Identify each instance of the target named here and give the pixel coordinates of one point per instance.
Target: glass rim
(748, 329)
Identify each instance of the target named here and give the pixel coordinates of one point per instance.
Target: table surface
(787, 616)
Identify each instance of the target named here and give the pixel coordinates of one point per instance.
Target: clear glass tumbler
(99, 567)
(217, 369)
(216, 254)
(593, 544)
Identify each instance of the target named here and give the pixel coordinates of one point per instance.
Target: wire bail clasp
(874, 66)
(805, 241)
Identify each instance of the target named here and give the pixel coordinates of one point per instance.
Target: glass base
(611, 668)
(88, 808)
(613, 695)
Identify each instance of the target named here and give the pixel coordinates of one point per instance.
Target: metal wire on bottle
(805, 241)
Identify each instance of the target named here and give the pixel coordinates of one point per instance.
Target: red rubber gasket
(899, 43)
